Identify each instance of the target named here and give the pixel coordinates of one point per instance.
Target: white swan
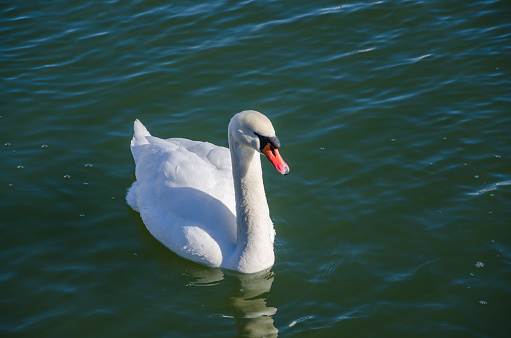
(198, 204)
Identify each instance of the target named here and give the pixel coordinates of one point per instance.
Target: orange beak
(273, 155)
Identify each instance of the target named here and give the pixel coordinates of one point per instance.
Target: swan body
(207, 203)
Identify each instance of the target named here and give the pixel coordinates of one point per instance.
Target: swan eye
(265, 140)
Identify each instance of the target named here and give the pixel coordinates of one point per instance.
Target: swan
(205, 202)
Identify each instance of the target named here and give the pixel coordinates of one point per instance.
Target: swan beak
(273, 155)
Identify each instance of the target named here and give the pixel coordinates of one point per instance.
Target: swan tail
(131, 196)
(139, 139)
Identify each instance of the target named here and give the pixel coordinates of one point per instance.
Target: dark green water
(394, 117)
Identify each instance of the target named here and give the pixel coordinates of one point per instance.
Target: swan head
(254, 130)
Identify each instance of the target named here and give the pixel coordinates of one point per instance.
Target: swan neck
(254, 246)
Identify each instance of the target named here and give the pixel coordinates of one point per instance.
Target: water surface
(394, 117)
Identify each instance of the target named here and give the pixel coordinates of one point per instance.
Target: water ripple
(389, 113)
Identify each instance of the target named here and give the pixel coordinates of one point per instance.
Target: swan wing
(185, 195)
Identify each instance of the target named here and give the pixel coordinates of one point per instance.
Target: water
(394, 117)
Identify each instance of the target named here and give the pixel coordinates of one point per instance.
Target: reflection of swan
(189, 194)
(247, 303)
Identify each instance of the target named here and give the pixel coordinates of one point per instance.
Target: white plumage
(188, 199)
